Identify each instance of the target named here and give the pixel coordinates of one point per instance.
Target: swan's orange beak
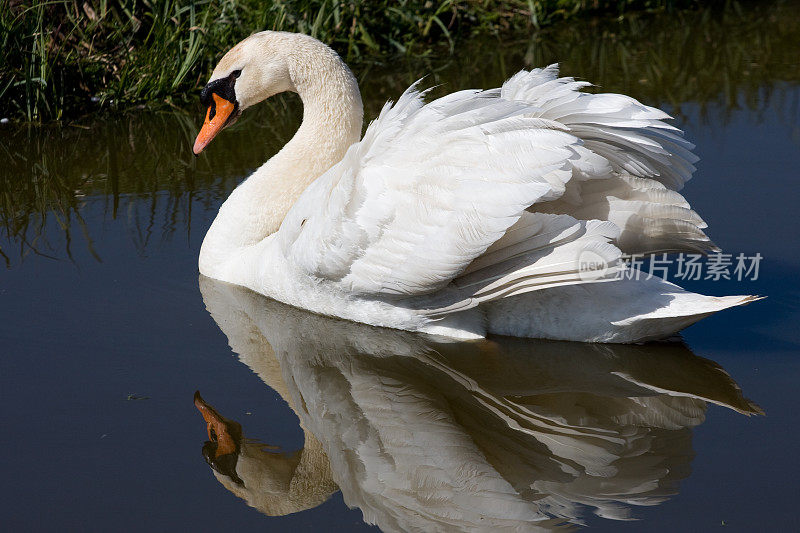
(217, 117)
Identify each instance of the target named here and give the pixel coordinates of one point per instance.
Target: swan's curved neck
(332, 120)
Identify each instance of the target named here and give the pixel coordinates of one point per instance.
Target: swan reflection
(423, 434)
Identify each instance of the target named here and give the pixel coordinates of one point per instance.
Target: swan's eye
(222, 87)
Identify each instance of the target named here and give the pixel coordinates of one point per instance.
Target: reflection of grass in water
(138, 167)
(26, 204)
(719, 60)
(708, 56)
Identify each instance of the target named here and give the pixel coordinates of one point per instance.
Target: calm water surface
(107, 331)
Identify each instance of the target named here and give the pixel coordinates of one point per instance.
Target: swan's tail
(624, 311)
(552, 276)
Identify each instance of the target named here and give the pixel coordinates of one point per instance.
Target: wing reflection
(429, 435)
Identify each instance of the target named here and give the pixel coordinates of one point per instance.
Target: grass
(62, 58)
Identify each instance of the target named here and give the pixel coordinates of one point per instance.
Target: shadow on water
(427, 435)
(138, 167)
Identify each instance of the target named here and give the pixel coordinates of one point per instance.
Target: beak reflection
(221, 451)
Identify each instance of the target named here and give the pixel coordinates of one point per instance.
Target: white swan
(475, 213)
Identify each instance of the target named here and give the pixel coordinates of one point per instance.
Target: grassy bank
(62, 58)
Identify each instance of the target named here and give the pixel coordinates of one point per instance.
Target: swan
(503, 211)
(427, 434)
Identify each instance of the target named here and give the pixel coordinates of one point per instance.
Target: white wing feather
(428, 189)
(649, 158)
(633, 137)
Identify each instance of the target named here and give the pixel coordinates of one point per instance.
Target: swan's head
(250, 72)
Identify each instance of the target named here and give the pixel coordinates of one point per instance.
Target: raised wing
(633, 137)
(650, 161)
(428, 190)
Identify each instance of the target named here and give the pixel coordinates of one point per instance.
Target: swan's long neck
(332, 120)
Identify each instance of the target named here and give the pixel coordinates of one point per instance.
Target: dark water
(106, 331)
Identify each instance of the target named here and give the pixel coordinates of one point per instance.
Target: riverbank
(61, 59)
